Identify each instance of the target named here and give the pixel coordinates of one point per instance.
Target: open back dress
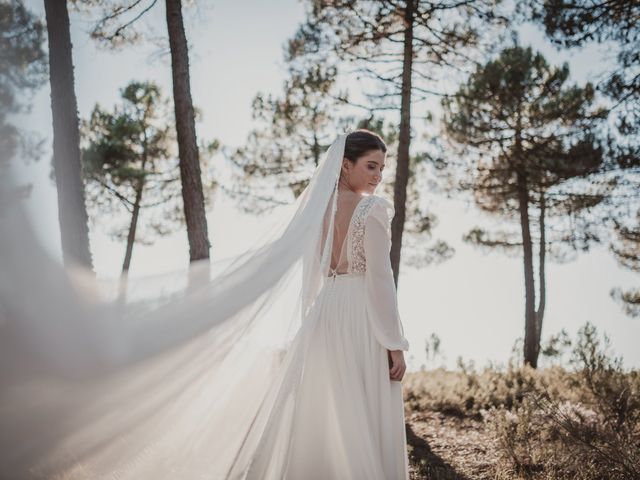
(347, 419)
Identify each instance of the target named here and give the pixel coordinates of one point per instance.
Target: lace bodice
(364, 250)
(355, 240)
(348, 255)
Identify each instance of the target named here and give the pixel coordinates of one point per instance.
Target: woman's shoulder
(383, 201)
(373, 199)
(380, 207)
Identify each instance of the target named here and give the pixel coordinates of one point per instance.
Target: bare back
(346, 204)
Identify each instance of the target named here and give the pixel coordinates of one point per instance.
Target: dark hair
(359, 142)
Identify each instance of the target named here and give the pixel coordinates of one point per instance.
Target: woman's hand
(396, 364)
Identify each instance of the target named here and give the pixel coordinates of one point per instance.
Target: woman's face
(365, 175)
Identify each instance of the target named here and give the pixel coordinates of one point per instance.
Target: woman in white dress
(230, 379)
(349, 418)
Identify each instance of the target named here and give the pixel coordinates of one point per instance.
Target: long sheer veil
(191, 375)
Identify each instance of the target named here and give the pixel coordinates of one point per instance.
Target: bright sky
(474, 302)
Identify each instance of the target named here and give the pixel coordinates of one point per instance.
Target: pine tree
(72, 213)
(530, 143)
(571, 23)
(627, 252)
(24, 70)
(130, 164)
(118, 26)
(190, 173)
(404, 46)
(293, 131)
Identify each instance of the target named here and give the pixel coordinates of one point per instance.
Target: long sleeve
(381, 297)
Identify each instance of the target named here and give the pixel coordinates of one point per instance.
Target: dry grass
(577, 421)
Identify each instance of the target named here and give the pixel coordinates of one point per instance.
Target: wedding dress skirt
(348, 422)
(333, 413)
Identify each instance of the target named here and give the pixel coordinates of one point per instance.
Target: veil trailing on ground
(188, 375)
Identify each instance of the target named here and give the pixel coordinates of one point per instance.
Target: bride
(285, 364)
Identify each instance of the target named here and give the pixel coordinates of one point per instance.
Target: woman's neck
(344, 187)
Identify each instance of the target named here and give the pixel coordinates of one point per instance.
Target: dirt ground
(443, 447)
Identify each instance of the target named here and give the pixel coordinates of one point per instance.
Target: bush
(469, 393)
(597, 436)
(552, 423)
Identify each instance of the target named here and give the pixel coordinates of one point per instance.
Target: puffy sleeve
(381, 298)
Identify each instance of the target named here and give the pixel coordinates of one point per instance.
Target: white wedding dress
(348, 420)
(274, 368)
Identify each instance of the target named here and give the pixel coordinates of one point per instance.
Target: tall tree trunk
(133, 225)
(530, 330)
(404, 144)
(317, 149)
(192, 194)
(67, 167)
(541, 272)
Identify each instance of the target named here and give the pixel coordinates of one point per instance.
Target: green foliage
(577, 22)
(293, 131)
(516, 114)
(23, 69)
(371, 34)
(626, 250)
(396, 53)
(120, 22)
(533, 159)
(130, 162)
